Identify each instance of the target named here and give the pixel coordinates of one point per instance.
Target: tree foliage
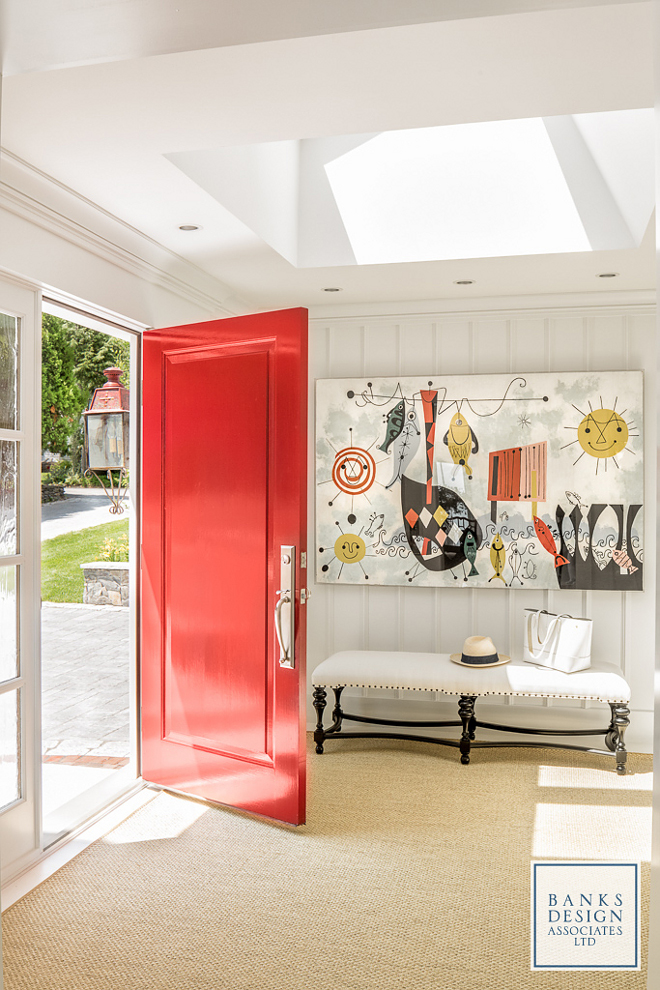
(73, 360)
(60, 396)
(94, 352)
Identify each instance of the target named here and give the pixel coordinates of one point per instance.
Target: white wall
(517, 340)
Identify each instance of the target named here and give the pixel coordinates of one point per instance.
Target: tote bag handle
(533, 621)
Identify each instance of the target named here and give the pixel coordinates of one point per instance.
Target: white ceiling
(36, 35)
(105, 129)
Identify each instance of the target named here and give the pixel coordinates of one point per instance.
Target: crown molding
(192, 284)
(641, 301)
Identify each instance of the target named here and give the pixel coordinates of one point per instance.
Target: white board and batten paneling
(603, 338)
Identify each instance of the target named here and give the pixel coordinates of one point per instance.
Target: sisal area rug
(411, 874)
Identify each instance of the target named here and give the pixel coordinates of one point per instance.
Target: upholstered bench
(436, 672)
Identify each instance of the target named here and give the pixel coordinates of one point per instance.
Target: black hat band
(493, 658)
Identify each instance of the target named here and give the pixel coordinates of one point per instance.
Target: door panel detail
(214, 593)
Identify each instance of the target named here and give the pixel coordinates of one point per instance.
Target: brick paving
(103, 762)
(85, 684)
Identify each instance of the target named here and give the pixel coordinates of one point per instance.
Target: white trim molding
(581, 304)
(53, 208)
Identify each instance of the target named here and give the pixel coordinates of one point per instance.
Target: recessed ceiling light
(189, 226)
(608, 275)
(464, 281)
(332, 289)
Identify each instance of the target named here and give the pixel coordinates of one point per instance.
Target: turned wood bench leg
(614, 739)
(320, 701)
(469, 720)
(319, 704)
(337, 713)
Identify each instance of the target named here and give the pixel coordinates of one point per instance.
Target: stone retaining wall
(52, 493)
(106, 583)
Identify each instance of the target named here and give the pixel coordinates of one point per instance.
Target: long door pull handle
(285, 618)
(284, 599)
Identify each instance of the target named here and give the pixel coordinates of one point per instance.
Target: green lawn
(61, 557)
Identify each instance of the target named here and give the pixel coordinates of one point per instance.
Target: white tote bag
(557, 641)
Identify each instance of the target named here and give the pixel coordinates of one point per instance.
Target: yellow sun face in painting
(603, 433)
(349, 548)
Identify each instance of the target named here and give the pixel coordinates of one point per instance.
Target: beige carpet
(412, 874)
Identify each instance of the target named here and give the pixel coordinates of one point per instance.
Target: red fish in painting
(621, 558)
(547, 541)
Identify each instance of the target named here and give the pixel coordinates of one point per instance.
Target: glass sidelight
(19, 591)
(10, 696)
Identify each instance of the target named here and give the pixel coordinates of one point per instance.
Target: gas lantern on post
(107, 436)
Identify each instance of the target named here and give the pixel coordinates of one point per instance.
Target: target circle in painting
(354, 470)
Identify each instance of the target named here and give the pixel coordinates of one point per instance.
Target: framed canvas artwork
(483, 481)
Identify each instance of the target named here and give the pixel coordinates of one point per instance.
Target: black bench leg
(337, 713)
(467, 716)
(615, 735)
(319, 703)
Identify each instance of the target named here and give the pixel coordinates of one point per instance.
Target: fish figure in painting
(547, 541)
(497, 559)
(395, 421)
(621, 558)
(461, 442)
(575, 500)
(470, 551)
(515, 563)
(376, 522)
(404, 447)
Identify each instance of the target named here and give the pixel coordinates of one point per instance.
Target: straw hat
(479, 651)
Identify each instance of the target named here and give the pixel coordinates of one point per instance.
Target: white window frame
(22, 840)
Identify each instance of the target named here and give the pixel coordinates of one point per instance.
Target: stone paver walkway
(85, 684)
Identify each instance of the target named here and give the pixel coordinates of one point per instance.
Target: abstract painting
(483, 481)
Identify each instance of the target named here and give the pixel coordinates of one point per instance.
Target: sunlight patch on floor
(579, 831)
(167, 817)
(589, 777)
(62, 783)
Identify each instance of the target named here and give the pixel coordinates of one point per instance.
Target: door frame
(31, 300)
(104, 794)
(21, 821)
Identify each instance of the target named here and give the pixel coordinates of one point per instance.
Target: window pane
(106, 440)
(8, 623)
(8, 484)
(10, 770)
(8, 372)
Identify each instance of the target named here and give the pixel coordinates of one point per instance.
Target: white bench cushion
(436, 672)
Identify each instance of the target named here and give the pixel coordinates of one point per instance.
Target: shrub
(113, 550)
(59, 472)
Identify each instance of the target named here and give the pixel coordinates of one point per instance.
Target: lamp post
(107, 436)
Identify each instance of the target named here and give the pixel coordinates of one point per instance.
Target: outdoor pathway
(83, 507)
(85, 684)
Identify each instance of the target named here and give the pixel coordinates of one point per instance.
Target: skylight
(458, 191)
(550, 185)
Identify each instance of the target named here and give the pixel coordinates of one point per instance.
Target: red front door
(224, 490)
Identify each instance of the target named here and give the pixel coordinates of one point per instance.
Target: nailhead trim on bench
(482, 694)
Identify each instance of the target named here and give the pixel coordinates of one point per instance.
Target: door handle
(285, 618)
(284, 649)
